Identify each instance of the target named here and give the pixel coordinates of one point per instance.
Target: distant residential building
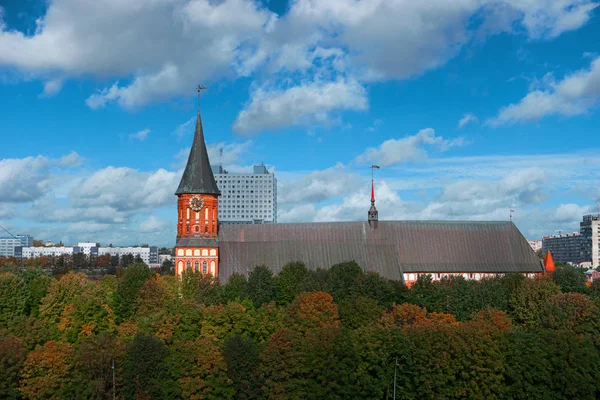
(9, 243)
(536, 245)
(247, 198)
(565, 248)
(582, 248)
(33, 252)
(590, 230)
(591, 275)
(164, 257)
(149, 255)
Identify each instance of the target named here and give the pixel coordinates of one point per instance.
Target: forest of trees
(325, 334)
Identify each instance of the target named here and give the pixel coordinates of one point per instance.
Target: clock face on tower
(196, 203)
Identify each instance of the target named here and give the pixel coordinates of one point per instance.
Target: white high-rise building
(9, 243)
(590, 230)
(247, 198)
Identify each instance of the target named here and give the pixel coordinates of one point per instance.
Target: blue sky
(471, 108)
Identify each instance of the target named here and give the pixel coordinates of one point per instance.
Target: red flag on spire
(372, 190)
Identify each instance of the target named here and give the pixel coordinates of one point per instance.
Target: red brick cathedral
(197, 246)
(399, 250)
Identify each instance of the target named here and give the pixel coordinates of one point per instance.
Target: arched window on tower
(204, 268)
(196, 269)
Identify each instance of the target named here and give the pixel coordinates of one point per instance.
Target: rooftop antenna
(559, 231)
(510, 212)
(598, 210)
(200, 88)
(221, 158)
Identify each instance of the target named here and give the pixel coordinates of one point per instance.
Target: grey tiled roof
(197, 242)
(394, 248)
(198, 176)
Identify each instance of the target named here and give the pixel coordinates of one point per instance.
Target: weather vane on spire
(199, 88)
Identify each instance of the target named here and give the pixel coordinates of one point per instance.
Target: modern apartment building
(9, 243)
(579, 247)
(149, 255)
(590, 231)
(247, 198)
(565, 248)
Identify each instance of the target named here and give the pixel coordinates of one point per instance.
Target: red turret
(549, 263)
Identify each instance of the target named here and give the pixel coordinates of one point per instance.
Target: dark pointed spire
(198, 177)
(373, 213)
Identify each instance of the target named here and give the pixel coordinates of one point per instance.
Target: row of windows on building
(196, 266)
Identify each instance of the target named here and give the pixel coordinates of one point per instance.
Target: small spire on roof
(373, 213)
(549, 263)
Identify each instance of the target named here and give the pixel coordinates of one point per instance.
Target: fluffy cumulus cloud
(273, 109)
(28, 179)
(126, 189)
(573, 95)
(317, 186)
(150, 50)
(153, 224)
(410, 148)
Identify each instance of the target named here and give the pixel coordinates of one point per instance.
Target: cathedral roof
(198, 177)
(395, 248)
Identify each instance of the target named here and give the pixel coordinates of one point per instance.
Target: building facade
(9, 243)
(581, 247)
(247, 198)
(149, 255)
(197, 245)
(565, 248)
(589, 229)
(536, 245)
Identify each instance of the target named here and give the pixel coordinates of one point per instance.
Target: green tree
(343, 279)
(144, 369)
(167, 268)
(242, 358)
(288, 282)
(235, 289)
(12, 356)
(92, 366)
(13, 297)
(261, 286)
(128, 288)
(569, 278)
(47, 372)
(357, 312)
(544, 364)
(528, 300)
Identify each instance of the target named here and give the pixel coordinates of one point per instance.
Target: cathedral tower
(197, 246)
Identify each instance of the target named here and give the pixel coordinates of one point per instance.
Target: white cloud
(311, 102)
(140, 135)
(153, 224)
(126, 189)
(185, 128)
(466, 119)
(319, 185)
(157, 47)
(24, 179)
(574, 95)
(410, 148)
(87, 227)
(52, 87)
(70, 160)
